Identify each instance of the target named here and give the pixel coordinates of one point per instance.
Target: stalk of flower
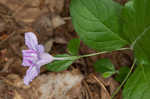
(34, 57)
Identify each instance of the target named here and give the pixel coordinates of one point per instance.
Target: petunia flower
(34, 57)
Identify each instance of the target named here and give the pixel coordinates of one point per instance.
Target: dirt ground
(51, 21)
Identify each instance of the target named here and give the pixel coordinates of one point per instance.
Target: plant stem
(67, 58)
(123, 82)
(81, 56)
(93, 54)
(139, 37)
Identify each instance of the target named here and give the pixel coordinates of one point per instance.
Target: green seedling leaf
(98, 24)
(60, 65)
(73, 46)
(105, 67)
(121, 74)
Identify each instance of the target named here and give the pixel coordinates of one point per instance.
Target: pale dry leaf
(43, 24)
(16, 81)
(12, 4)
(60, 40)
(48, 45)
(17, 95)
(33, 3)
(57, 21)
(55, 5)
(2, 25)
(28, 15)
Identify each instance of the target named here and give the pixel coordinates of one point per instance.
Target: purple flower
(34, 57)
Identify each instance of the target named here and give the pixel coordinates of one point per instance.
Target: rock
(65, 85)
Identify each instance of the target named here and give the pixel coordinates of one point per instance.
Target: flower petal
(40, 48)
(45, 58)
(29, 57)
(31, 40)
(31, 73)
(26, 63)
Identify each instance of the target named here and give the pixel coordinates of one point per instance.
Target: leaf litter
(50, 20)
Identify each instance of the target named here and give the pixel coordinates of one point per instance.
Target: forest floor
(51, 22)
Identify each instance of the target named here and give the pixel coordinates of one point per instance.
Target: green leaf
(121, 74)
(138, 85)
(98, 24)
(59, 65)
(105, 67)
(136, 30)
(73, 46)
(136, 27)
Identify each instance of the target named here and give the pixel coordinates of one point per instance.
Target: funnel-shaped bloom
(34, 57)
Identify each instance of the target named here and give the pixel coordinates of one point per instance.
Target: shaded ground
(51, 22)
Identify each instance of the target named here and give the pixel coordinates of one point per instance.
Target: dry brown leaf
(48, 45)
(55, 5)
(28, 11)
(12, 4)
(17, 95)
(57, 21)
